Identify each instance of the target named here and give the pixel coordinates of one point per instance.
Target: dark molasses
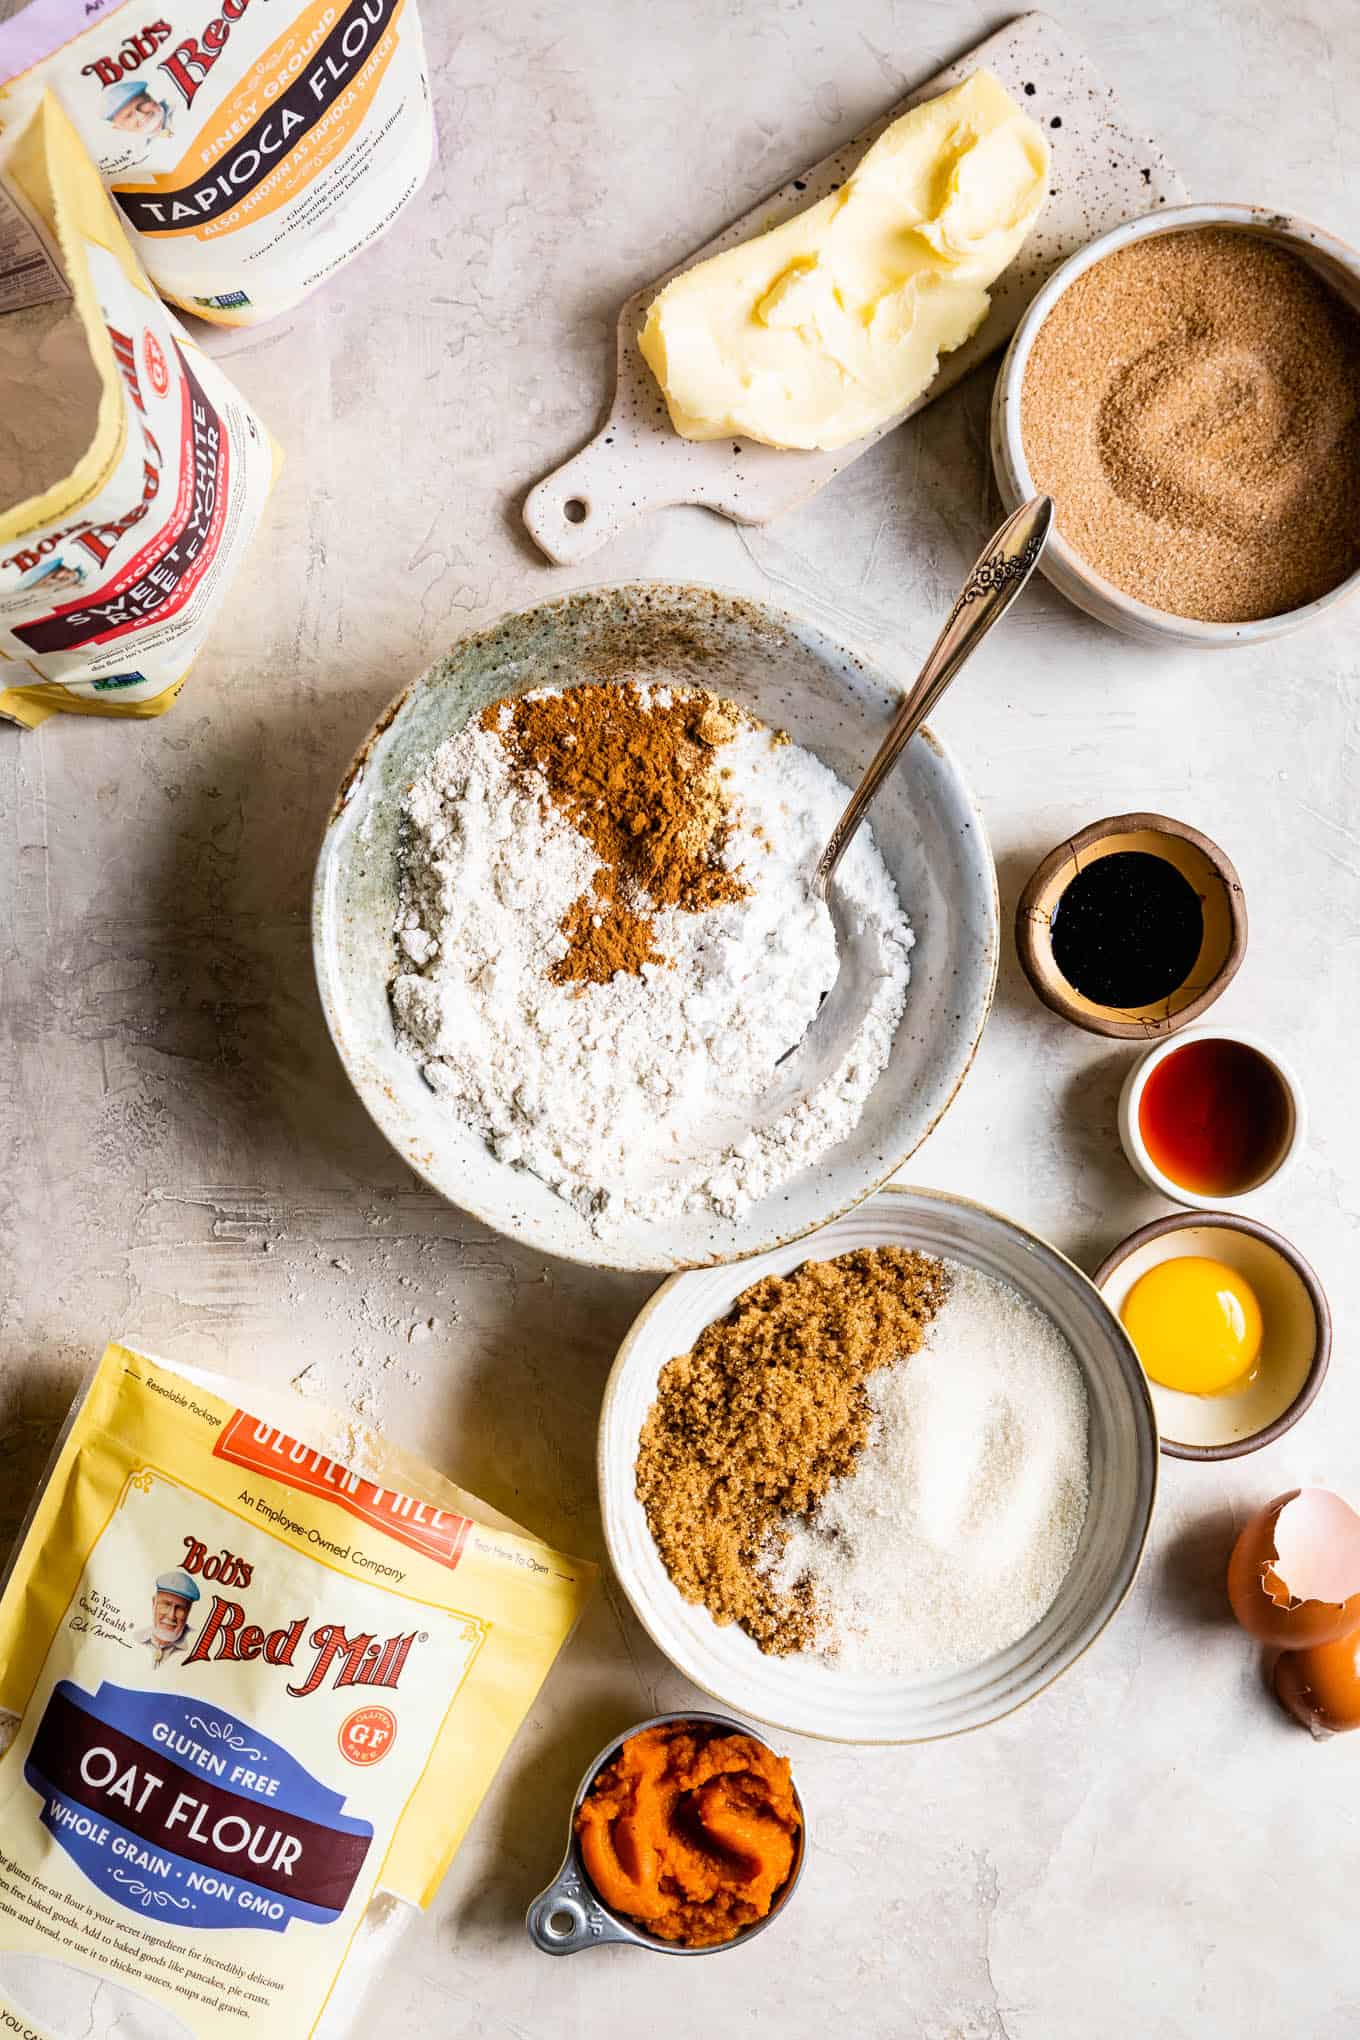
(1127, 930)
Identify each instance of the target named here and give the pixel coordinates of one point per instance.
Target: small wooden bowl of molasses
(1132, 927)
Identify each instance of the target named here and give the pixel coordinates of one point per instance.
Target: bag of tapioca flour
(252, 146)
(132, 474)
(259, 1669)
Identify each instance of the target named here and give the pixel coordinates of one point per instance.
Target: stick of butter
(821, 330)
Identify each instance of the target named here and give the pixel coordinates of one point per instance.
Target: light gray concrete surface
(1147, 1850)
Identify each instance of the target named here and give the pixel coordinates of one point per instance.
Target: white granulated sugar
(640, 1097)
(959, 1523)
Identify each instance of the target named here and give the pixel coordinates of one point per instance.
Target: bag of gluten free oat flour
(258, 1670)
(132, 474)
(251, 146)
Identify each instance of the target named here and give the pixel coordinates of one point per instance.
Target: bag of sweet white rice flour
(257, 1670)
(251, 146)
(132, 474)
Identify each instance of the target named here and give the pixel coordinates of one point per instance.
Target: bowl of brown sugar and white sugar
(882, 1486)
(1187, 389)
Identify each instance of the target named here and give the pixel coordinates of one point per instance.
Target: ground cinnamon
(753, 1424)
(634, 770)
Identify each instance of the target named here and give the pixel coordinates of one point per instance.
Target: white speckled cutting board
(1104, 172)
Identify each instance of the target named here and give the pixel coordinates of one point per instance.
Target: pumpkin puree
(690, 1832)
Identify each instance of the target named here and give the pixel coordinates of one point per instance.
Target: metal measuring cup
(569, 1915)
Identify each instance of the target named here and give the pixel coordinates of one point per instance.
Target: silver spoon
(998, 575)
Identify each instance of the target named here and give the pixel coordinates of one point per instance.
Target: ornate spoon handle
(997, 578)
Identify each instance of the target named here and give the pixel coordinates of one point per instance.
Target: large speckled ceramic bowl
(790, 675)
(800, 1694)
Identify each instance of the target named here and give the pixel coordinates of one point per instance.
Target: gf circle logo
(367, 1735)
(157, 371)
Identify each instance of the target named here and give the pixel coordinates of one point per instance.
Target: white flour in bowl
(639, 1096)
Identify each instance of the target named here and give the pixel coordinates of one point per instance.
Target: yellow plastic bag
(132, 474)
(256, 1693)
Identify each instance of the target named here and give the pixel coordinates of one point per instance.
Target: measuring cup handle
(566, 1918)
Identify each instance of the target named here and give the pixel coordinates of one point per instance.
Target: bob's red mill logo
(186, 66)
(328, 1655)
(134, 50)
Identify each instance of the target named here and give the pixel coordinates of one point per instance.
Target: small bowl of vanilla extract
(1211, 1116)
(1132, 927)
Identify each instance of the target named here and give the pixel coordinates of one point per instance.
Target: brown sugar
(633, 770)
(1192, 405)
(752, 1425)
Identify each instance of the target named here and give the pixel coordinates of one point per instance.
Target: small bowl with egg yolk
(1264, 1296)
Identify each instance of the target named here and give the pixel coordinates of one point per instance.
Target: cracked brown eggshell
(1294, 1574)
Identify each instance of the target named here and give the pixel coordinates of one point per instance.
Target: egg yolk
(1195, 1323)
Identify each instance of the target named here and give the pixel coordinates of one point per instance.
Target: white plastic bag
(132, 473)
(251, 146)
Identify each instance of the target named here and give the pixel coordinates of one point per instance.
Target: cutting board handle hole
(575, 510)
